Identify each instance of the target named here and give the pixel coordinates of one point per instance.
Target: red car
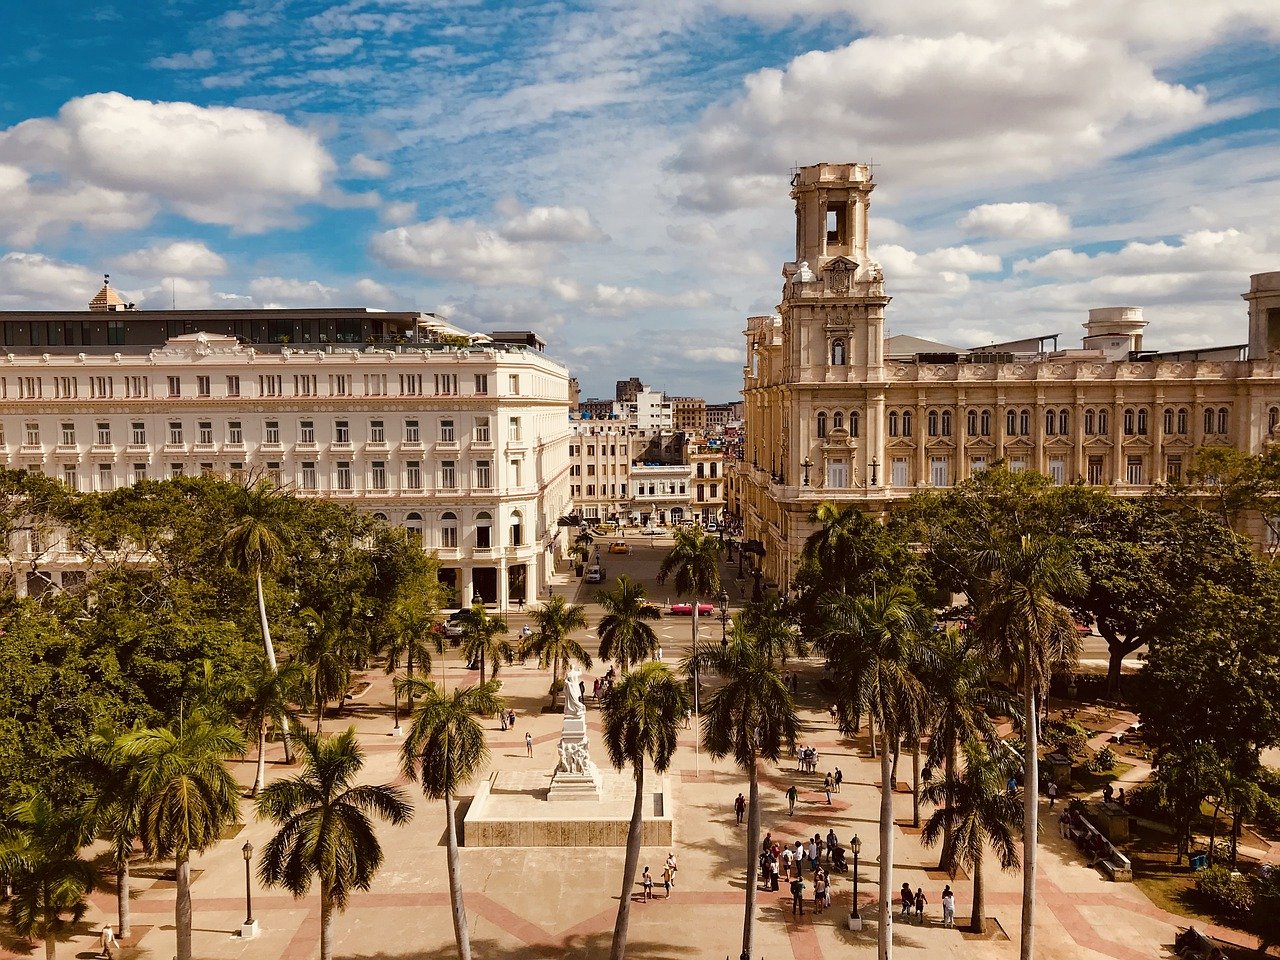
(686, 609)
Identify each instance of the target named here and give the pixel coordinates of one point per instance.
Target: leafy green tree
(974, 812)
(332, 645)
(1019, 614)
(775, 629)
(750, 717)
(624, 631)
(873, 645)
(326, 829)
(1184, 776)
(693, 568)
(642, 714)
(256, 543)
(551, 643)
(445, 750)
(189, 795)
(484, 639)
(40, 850)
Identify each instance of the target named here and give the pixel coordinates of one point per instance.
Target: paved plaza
(527, 903)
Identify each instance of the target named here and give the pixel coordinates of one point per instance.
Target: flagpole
(697, 725)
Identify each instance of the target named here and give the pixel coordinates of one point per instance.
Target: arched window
(985, 428)
(1142, 422)
(853, 423)
(413, 526)
(484, 530)
(449, 530)
(1128, 421)
(837, 421)
(1182, 421)
(1208, 420)
(837, 353)
(1064, 422)
(971, 422)
(1222, 420)
(380, 516)
(1168, 419)
(1103, 417)
(1050, 422)
(822, 425)
(893, 423)
(933, 423)
(1024, 423)
(906, 423)
(946, 423)
(1273, 419)
(1088, 421)
(517, 528)
(1011, 423)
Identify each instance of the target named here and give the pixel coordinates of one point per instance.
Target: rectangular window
(939, 472)
(175, 386)
(344, 475)
(233, 386)
(100, 388)
(446, 432)
(206, 469)
(235, 433)
(135, 388)
(375, 384)
(411, 432)
(175, 471)
(483, 474)
(1017, 464)
(837, 474)
(308, 475)
(340, 385)
(65, 388)
(513, 383)
(516, 473)
(1095, 471)
(341, 432)
(449, 536)
(307, 431)
(138, 434)
(413, 475)
(70, 477)
(202, 386)
(482, 429)
(139, 472)
(104, 434)
(482, 383)
(446, 383)
(104, 477)
(175, 433)
(1058, 471)
(377, 431)
(513, 430)
(68, 435)
(448, 474)
(272, 435)
(1133, 470)
(115, 333)
(378, 470)
(411, 384)
(1173, 470)
(205, 432)
(270, 385)
(977, 465)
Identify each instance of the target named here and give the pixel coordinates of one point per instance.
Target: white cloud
(1025, 105)
(372, 293)
(246, 169)
(942, 271)
(285, 292)
(460, 249)
(1200, 251)
(31, 209)
(368, 166)
(188, 294)
(338, 48)
(1022, 221)
(399, 212)
(32, 279)
(547, 223)
(607, 298)
(195, 60)
(182, 258)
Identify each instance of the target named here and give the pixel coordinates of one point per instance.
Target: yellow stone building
(836, 411)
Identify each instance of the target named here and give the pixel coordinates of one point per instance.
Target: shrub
(1102, 761)
(1144, 801)
(1066, 737)
(1268, 813)
(1227, 895)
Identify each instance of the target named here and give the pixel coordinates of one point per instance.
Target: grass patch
(1171, 888)
(1087, 782)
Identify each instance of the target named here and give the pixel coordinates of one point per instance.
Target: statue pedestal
(576, 776)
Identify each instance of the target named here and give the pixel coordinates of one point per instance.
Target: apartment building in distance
(458, 438)
(835, 411)
(689, 414)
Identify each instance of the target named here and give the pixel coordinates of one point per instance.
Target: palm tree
(775, 630)
(551, 643)
(963, 703)
(410, 637)
(330, 649)
(256, 542)
(484, 638)
(974, 812)
(325, 826)
(444, 750)
(750, 715)
(40, 850)
(1026, 628)
(837, 538)
(189, 795)
(642, 714)
(624, 631)
(872, 643)
(113, 806)
(693, 566)
(268, 699)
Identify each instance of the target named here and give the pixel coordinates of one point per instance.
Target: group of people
(603, 685)
(807, 759)
(668, 877)
(916, 902)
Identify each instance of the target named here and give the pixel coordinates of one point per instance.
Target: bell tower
(831, 212)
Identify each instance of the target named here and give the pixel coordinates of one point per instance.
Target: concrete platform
(511, 809)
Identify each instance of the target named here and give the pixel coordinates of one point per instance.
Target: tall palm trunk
(915, 782)
(482, 666)
(260, 777)
(634, 835)
(50, 943)
(123, 908)
(871, 734)
(1213, 829)
(182, 907)
(1031, 826)
(460, 932)
(886, 849)
(978, 916)
(270, 651)
(326, 922)
(948, 838)
(753, 865)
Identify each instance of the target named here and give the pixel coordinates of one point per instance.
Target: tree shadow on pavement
(588, 947)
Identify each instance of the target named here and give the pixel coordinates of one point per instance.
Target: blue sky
(614, 175)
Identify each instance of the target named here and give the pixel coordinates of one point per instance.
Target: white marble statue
(573, 707)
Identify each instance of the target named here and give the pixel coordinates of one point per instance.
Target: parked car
(711, 526)
(654, 531)
(619, 546)
(452, 627)
(686, 609)
(595, 573)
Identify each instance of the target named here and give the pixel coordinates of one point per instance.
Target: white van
(595, 573)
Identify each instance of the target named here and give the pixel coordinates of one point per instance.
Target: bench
(1193, 944)
(1115, 863)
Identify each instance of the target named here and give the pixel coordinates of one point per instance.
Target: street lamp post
(807, 464)
(855, 916)
(724, 617)
(875, 465)
(249, 929)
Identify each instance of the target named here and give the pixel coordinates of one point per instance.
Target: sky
(614, 175)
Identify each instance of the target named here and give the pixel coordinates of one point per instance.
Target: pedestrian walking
(813, 854)
(528, 744)
(109, 943)
(688, 718)
(1051, 792)
(740, 807)
(832, 842)
(671, 865)
(797, 857)
(786, 862)
(839, 779)
(792, 793)
(948, 907)
(920, 902)
(668, 880)
(828, 782)
(834, 711)
(797, 897)
(647, 881)
(819, 891)
(511, 719)
(502, 719)
(908, 900)
(520, 604)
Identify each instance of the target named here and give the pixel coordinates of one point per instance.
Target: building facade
(831, 413)
(466, 447)
(689, 414)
